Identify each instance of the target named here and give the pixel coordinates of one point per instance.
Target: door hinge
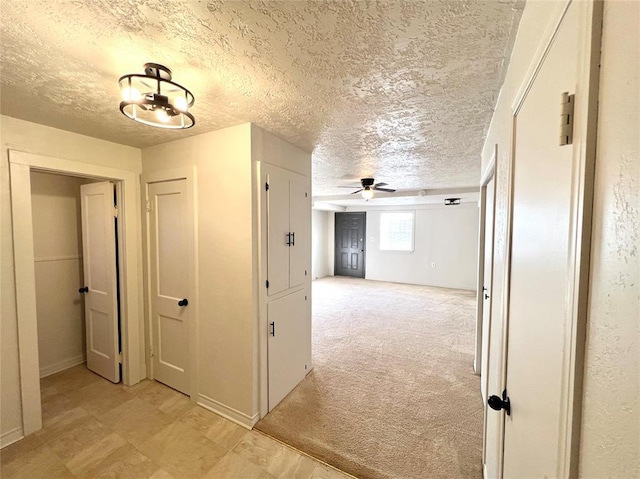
(267, 282)
(120, 358)
(148, 206)
(115, 211)
(305, 195)
(305, 272)
(566, 118)
(266, 186)
(305, 298)
(151, 353)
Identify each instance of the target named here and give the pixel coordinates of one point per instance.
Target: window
(396, 231)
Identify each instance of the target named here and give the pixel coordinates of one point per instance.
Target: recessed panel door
(278, 230)
(486, 284)
(100, 289)
(300, 230)
(288, 342)
(169, 280)
(349, 244)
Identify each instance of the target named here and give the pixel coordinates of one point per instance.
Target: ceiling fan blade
(388, 190)
(380, 184)
(357, 191)
(349, 186)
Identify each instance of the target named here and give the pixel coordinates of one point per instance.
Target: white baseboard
(240, 418)
(484, 471)
(61, 365)
(10, 437)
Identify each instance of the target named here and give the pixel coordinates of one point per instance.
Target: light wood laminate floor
(95, 429)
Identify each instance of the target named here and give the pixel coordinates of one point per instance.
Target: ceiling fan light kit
(154, 99)
(368, 187)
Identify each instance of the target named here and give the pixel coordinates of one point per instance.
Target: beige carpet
(392, 393)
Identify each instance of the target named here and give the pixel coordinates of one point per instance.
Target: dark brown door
(349, 244)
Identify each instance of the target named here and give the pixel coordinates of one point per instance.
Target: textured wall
(399, 90)
(610, 445)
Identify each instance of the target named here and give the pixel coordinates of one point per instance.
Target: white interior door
(169, 227)
(300, 228)
(540, 274)
(288, 344)
(278, 229)
(99, 264)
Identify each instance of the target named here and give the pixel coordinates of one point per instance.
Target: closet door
(299, 210)
(278, 237)
(171, 311)
(288, 344)
(99, 263)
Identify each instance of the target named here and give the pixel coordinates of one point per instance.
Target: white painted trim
(240, 418)
(9, 437)
(190, 174)
(20, 166)
(61, 365)
(46, 259)
(487, 176)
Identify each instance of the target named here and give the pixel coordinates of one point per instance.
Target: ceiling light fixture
(154, 100)
(367, 193)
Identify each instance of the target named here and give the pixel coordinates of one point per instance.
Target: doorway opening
(76, 273)
(129, 272)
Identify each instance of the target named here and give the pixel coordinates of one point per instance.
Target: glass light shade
(130, 94)
(162, 115)
(367, 193)
(181, 103)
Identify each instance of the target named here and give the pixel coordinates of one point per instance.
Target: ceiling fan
(368, 187)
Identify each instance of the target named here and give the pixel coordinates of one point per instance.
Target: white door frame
(190, 175)
(584, 152)
(133, 368)
(487, 176)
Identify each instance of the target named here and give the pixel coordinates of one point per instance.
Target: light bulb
(181, 104)
(130, 94)
(162, 115)
(367, 193)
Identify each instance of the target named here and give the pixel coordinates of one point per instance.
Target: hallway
(392, 393)
(96, 429)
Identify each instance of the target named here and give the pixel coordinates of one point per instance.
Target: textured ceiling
(402, 91)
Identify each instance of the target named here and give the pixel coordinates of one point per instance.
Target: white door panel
(299, 225)
(487, 287)
(539, 270)
(288, 344)
(169, 263)
(99, 263)
(277, 229)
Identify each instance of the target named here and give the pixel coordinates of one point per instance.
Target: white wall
(228, 254)
(226, 258)
(444, 235)
(55, 202)
(610, 428)
(610, 445)
(320, 243)
(32, 138)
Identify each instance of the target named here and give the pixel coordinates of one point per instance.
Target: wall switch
(433, 264)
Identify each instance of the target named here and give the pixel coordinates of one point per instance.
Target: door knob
(497, 404)
(183, 302)
(84, 289)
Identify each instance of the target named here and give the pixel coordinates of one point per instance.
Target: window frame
(413, 231)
